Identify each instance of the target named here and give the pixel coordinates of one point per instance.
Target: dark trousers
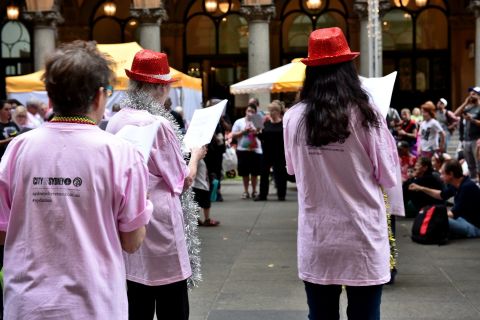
(323, 302)
(170, 301)
(279, 175)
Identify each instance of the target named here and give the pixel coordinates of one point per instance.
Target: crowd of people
(429, 173)
(72, 186)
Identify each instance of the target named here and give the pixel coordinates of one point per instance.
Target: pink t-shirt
(66, 190)
(163, 256)
(342, 227)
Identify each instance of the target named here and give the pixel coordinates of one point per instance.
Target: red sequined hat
(150, 66)
(328, 46)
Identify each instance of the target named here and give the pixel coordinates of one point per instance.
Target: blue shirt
(465, 200)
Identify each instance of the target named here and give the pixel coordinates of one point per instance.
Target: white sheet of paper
(203, 124)
(141, 137)
(257, 121)
(380, 91)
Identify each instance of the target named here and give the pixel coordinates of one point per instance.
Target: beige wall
(463, 66)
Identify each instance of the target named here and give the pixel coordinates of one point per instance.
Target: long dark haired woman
(342, 154)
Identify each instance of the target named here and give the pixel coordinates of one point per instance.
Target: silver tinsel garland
(142, 101)
(374, 39)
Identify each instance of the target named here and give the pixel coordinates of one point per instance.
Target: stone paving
(249, 268)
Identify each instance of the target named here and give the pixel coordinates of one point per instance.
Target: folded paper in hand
(141, 137)
(203, 125)
(380, 91)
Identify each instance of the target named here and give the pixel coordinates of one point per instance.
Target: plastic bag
(230, 160)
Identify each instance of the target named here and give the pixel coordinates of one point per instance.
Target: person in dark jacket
(423, 175)
(273, 153)
(463, 217)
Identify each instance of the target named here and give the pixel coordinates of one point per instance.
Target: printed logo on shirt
(426, 133)
(56, 181)
(46, 189)
(77, 182)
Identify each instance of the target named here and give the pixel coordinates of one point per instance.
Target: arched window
(296, 29)
(397, 30)
(332, 19)
(432, 38)
(233, 35)
(298, 21)
(107, 30)
(113, 29)
(201, 27)
(420, 52)
(223, 31)
(216, 45)
(16, 49)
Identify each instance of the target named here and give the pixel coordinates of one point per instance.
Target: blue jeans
(462, 228)
(324, 302)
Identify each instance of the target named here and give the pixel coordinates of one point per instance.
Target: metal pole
(374, 39)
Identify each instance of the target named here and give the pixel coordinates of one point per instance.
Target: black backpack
(431, 225)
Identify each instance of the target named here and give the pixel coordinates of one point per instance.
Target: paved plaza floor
(250, 273)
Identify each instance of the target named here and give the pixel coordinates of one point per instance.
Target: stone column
(366, 57)
(475, 7)
(384, 6)
(44, 34)
(258, 17)
(149, 20)
(361, 8)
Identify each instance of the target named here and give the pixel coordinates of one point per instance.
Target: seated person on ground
(438, 159)
(408, 129)
(407, 160)
(424, 176)
(464, 216)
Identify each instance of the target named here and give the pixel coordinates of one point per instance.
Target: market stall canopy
(287, 78)
(122, 54)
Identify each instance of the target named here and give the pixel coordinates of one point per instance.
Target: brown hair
(3, 103)
(454, 168)
(73, 75)
(430, 108)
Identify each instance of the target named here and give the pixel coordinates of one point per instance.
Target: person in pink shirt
(342, 154)
(157, 273)
(71, 198)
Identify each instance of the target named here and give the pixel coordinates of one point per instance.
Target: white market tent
(287, 78)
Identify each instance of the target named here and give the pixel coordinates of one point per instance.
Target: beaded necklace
(74, 119)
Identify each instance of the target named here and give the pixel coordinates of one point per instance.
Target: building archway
(113, 29)
(421, 54)
(216, 46)
(297, 22)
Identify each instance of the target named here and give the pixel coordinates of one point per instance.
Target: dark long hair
(329, 92)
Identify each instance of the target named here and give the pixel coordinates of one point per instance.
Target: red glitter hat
(328, 46)
(150, 66)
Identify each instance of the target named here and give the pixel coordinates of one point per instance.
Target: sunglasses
(108, 90)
